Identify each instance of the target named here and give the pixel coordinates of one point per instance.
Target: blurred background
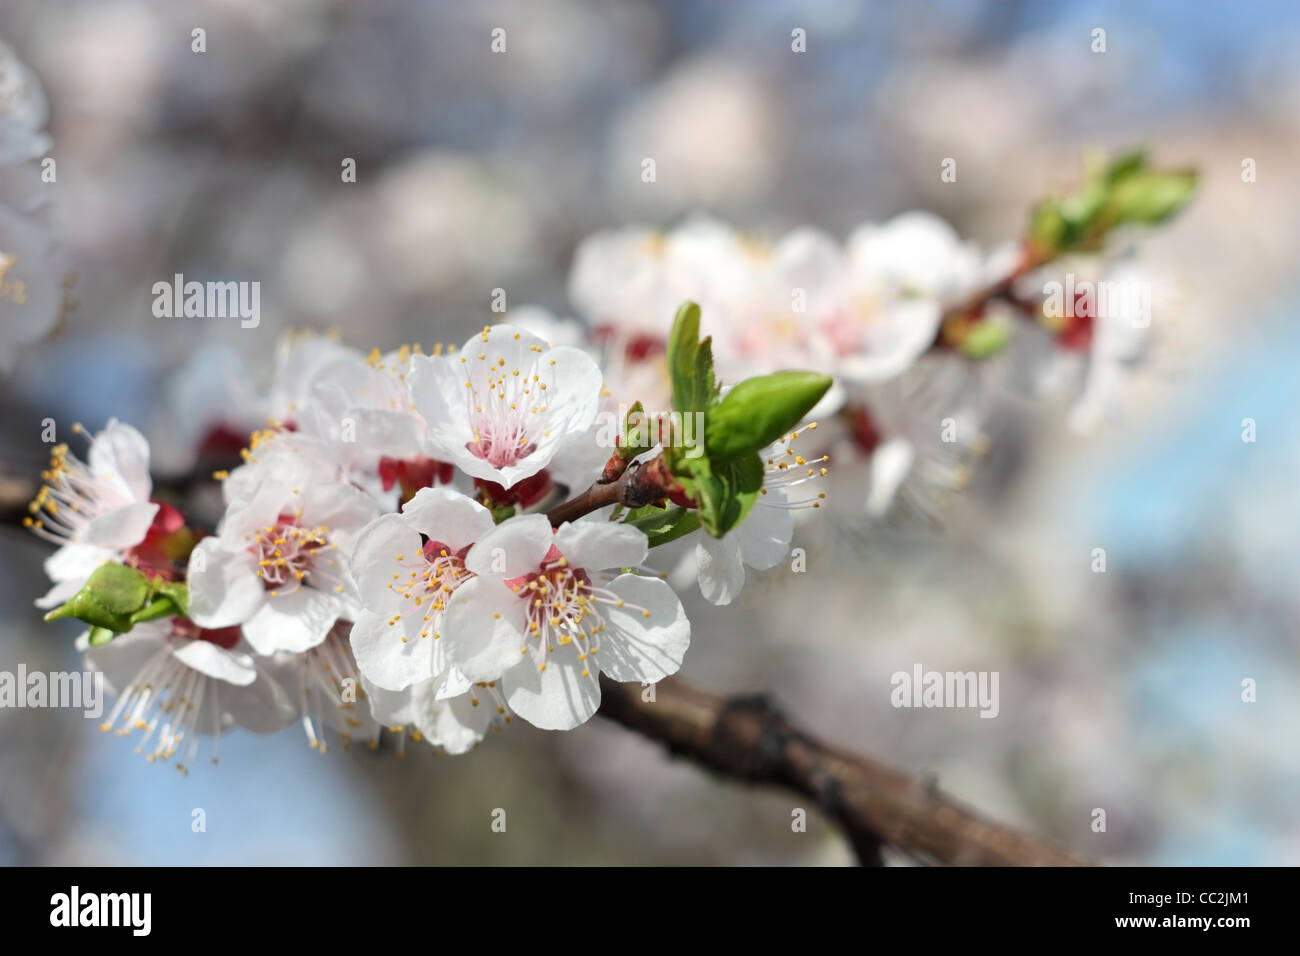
(475, 170)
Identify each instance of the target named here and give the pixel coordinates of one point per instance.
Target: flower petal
(75, 561)
(120, 528)
(484, 625)
(123, 659)
(601, 544)
(224, 589)
(374, 559)
(61, 592)
(458, 724)
(385, 659)
(119, 456)
(557, 698)
(263, 706)
(448, 516)
(722, 572)
(341, 508)
(214, 661)
(764, 536)
(640, 648)
(293, 621)
(514, 547)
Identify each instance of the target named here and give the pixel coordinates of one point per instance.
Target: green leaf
(746, 481)
(707, 491)
(1047, 227)
(760, 410)
(1125, 190)
(725, 491)
(662, 525)
(1149, 196)
(706, 387)
(1125, 164)
(683, 344)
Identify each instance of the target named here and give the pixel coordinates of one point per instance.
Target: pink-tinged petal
(121, 528)
(293, 621)
(639, 648)
(557, 698)
(75, 561)
(209, 659)
(385, 659)
(375, 559)
(119, 457)
(447, 516)
(484, 628)
(224, 589)
(596, 545)
(722, 571)
(514, 547)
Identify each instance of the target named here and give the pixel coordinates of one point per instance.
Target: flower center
(505, 406)
(287, 552)
(564, 609)
(425, 582)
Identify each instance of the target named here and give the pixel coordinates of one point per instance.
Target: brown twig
(750, 740)
(637, 486)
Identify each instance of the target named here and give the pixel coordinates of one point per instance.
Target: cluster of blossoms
(384, 560)
(906, 315)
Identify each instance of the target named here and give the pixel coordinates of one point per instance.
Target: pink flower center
(287, 552)
(425, 582)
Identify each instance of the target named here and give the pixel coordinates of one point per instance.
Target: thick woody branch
(749, 739)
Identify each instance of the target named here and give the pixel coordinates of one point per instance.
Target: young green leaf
(1149, 196)
(760, 410)
(662, 525)
(683, 345)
